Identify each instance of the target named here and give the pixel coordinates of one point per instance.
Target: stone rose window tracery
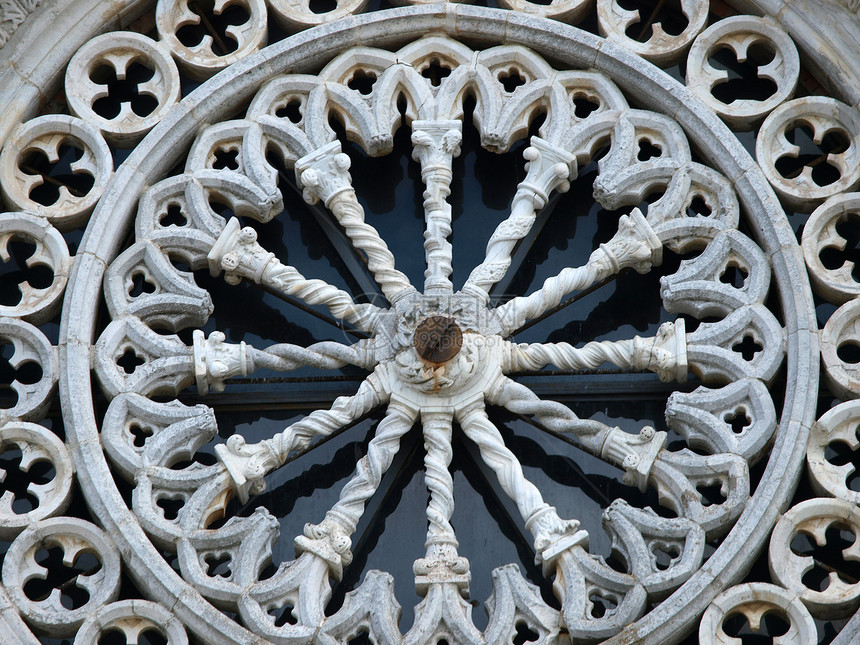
(198, 226)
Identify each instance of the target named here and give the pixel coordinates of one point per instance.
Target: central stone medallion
(438, 339)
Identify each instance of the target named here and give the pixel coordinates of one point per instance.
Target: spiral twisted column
(344, 410)
(364, 237)
(331, 538)
(548, 168)
(635, 245)
(239, 255)
(249, 463)
(565, 356)
(324, 175)
(347, 512)
(289, 281)
(326, 355)
(556, 416)
(634, 453)
(435, 144)
(442, 565)
(665, 354)
(540, 518)
(215, 361)
(437, 460)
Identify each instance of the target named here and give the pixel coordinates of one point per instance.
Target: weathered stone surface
(151, 301)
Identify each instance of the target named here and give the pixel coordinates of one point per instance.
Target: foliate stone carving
(754, 600)
(200, 495)
(302, 585)
(29, 346)
(134, 358)
(222, 147)
(698, 202)
(215, 361)
(443, 615)
(324, 174)
(586, 585)
(821, 116)
(839, 598)
(245, 545)
(14, 14)
(143, 282)
(237, 253)
(821, 235)
(133, 619)
(680, 477)
(176, 212)
(51, 136)
(211, 53)
(139, 433)
(36, 305)
(514, 603)
(37, 445)
(287, 96)
(662, 48)
(627, 169)
(372, 606)
(837, 425)
(839, 336)
(75, 538)
(108, 59)
(740, 34)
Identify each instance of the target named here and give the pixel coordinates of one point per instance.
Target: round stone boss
(308, 51)
(438, 339)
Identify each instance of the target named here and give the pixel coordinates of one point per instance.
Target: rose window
(441, 324)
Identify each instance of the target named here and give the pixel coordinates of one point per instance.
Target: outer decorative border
(30, 75)
(14, 14)
(225, 92)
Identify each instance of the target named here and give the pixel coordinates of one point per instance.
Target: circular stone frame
(226, 92)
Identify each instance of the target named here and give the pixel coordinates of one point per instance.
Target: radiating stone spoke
(239, 255)
(549, 168)
(540, 518)
(435, 144)
(215, 361)
(324, 175)
(665, 354)
(635, 454)
(249, 463)
(437, 444)
(340, 522)
(634, 246)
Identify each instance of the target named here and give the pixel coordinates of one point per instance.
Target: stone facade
(146, 146)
